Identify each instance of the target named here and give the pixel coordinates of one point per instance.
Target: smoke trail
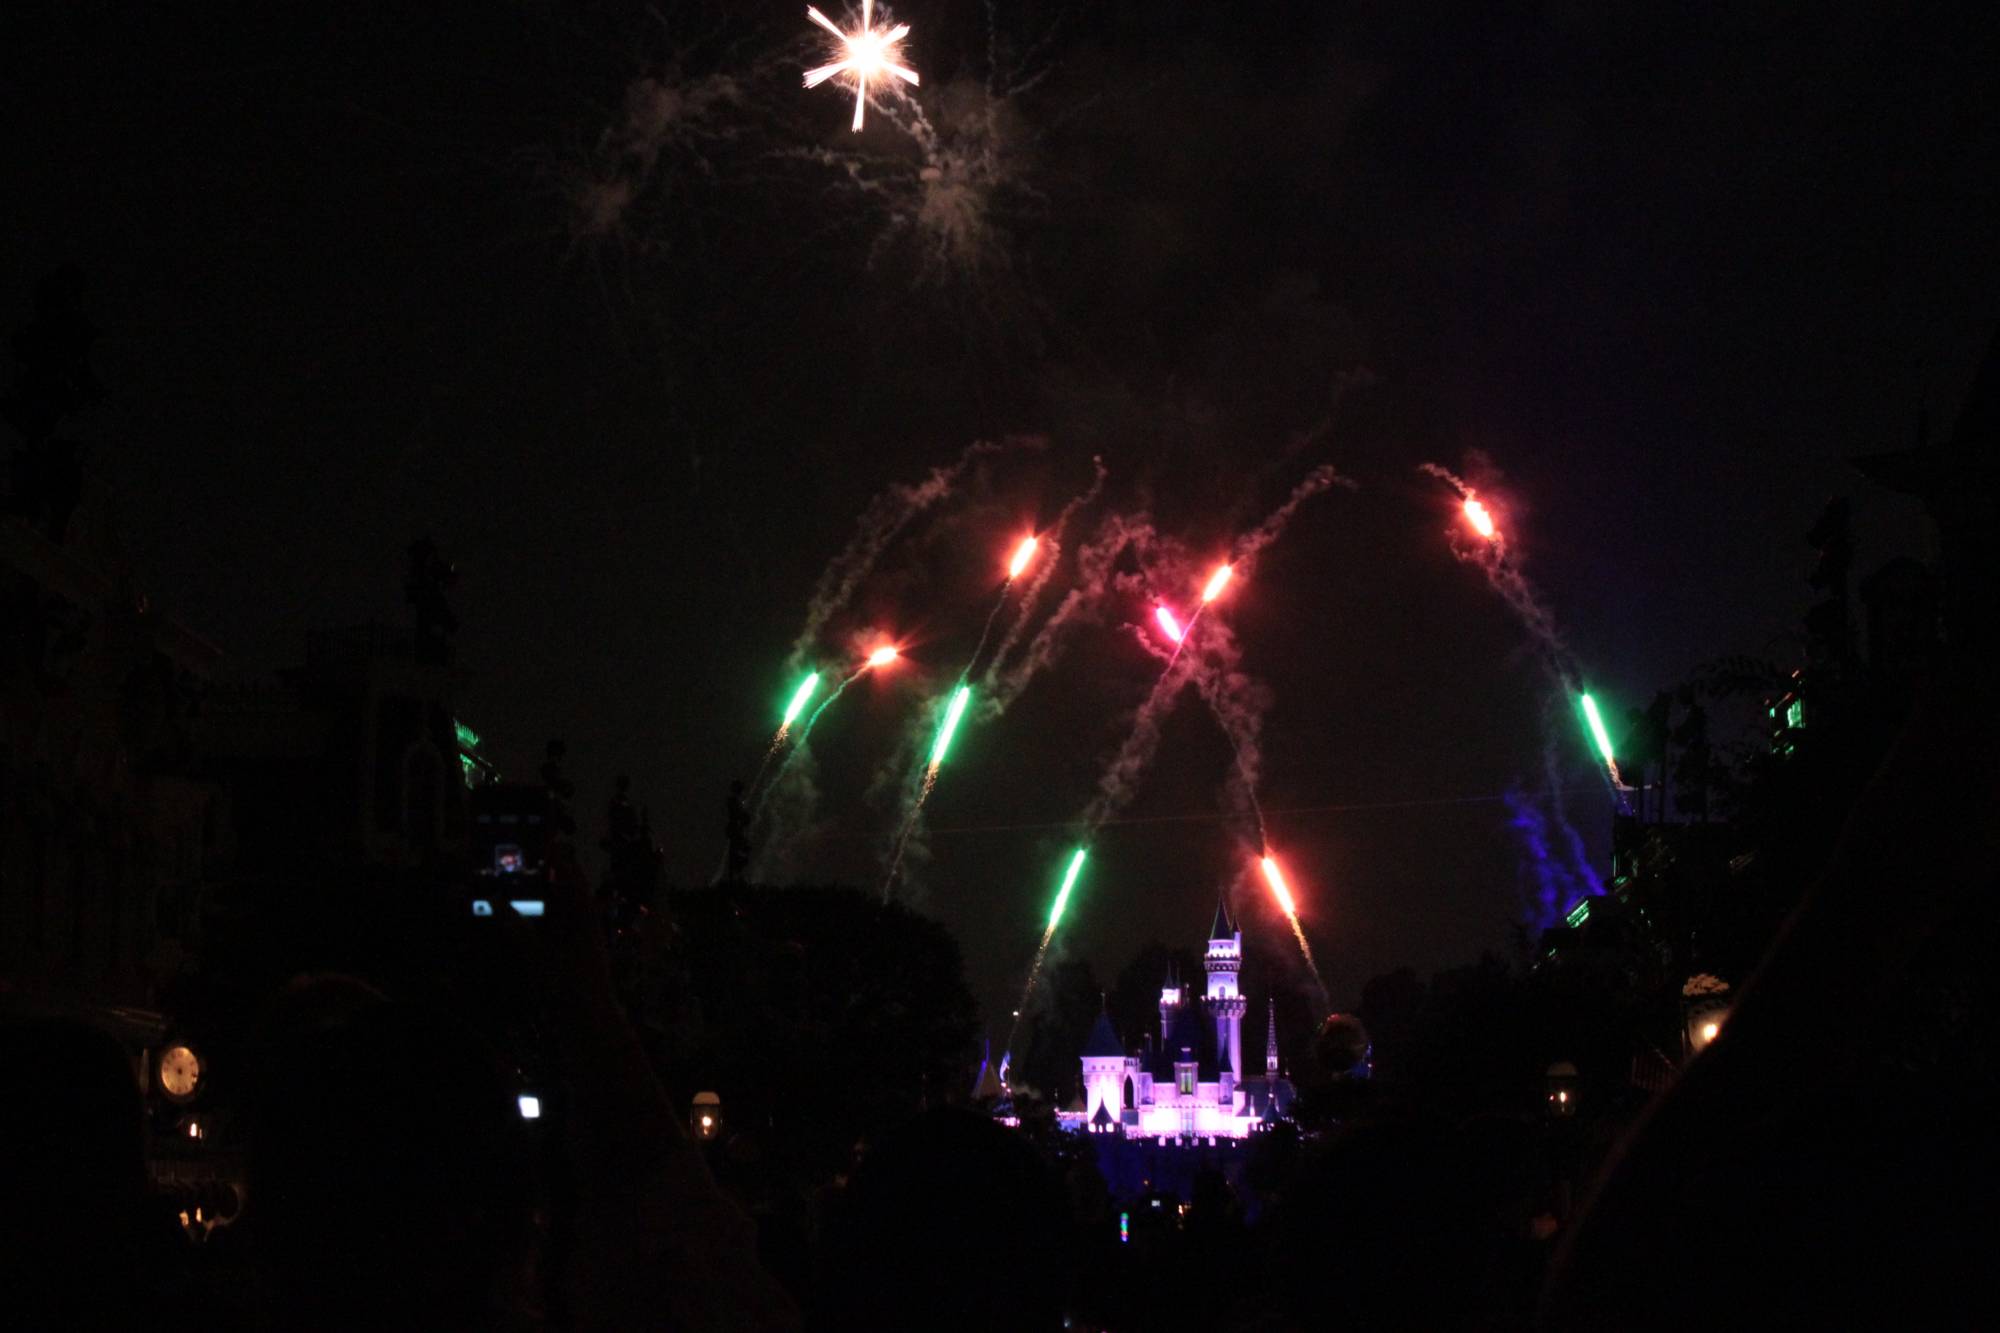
(1273, 526)
(950, 715)
(805, 734)
(791, 814)
(886, 515)
(1031, 596)
(1213, 664)
(1503, 574)
(1584, 875)
(1239, 702)
(1115, 535)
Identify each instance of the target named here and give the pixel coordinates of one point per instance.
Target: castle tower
(1172, 996)
(1103, 1068)
(1271, 1039)
(1225, 1001)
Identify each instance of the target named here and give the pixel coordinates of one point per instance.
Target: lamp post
(1561, 1090)
(705, 1116)
(1704, 1010)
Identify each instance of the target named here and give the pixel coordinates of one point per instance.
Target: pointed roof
(1223, 928)
(1963, 459)
(986, 1084)
(1103, 1117)
(1103, 1039)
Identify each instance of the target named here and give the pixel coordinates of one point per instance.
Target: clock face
(180, 1072)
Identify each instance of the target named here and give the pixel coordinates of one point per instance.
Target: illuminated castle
(1192, 1086)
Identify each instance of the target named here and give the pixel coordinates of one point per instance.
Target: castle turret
(1225, 1001)
(1103, 1068)
(1172, 996)
(1271, 1039)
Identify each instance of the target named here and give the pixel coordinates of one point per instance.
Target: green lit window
(1795, 715)
(1184, 1080)
(1579, 913)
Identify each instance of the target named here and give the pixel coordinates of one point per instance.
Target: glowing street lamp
(705, 1115)
(1562, 1087)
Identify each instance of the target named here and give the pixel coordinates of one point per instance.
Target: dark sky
(366, 271)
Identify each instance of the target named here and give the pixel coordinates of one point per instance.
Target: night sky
(365, 272)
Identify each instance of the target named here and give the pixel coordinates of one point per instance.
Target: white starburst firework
(866, 53)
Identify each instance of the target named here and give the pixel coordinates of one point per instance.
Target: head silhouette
(951, 1222)
(389, 1170)
(74, 1211)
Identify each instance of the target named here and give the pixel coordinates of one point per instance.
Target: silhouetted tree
(53, 382)
(736, 828)
(1135, 995)
(429, 576)
(1070, 1000)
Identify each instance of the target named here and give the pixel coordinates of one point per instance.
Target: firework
(1595, 721)
(881, 657)
(1048, 935)
(1168, 623)
(1068, 883)
(799, 697)
(1482, 521)
(1022, 555)
(798, 701)
(952, 714)
(1276, 878)
(1216, 583)
(866, 53)
(1283, 893)
(1503, 572)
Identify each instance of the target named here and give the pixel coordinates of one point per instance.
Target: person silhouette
(390, 1178)
(83, 1244)
(950, 1222)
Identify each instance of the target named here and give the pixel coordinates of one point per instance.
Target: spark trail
(1283, 893)
(881, 657)
(798, 701)
(1025, 552)
(1238, 702)
(954, 713)
(1494, 557)
(1005, 679)
(1048, 934)
(1214, 659)
(886, 516)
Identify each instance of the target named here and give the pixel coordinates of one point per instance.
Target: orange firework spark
(1022, 555)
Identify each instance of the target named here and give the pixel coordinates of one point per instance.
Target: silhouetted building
(110, 836)
(354, 759)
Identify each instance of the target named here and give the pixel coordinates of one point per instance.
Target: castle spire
(1271, 1038)
(1223, 927)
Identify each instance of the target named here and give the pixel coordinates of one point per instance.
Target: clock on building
(180, 1072)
